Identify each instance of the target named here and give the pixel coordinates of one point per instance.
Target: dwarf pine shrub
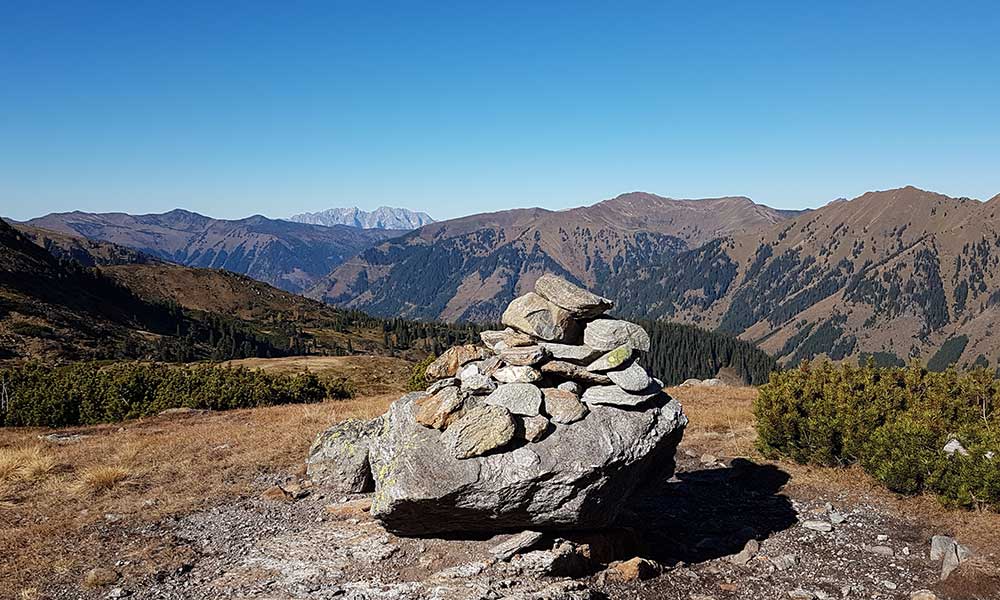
(894, 422)
(89, 393)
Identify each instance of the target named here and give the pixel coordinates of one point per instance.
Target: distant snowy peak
(383, 217)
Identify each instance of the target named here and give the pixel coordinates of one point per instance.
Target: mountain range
(383, 217)
(470, 268)
(888, 276)
(287, 255)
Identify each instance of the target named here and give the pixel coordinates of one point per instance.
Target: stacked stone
(557, 357)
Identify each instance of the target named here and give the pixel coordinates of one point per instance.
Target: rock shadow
(709, 513)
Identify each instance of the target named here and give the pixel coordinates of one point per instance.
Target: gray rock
(516, 374)
(519, 398)
(565, 370)
(338, 458)
(632, 378)
(564, 407)
(954, 447)
(820, 526)
(534, 428)
(784, 562)
(880, 550)
(517, 544)
(744, 556)
(482, 429)
(615, 396)
(566, 559)
(478, 384)
(469, 370)
(510, 338)
(440, 384)
(923, 595)
(523, 356)
(941, 545)
(539, 318)
(574, 353)
(575, 299)
(954, 555)
(608, 334)
(579, 476)
(571, 386)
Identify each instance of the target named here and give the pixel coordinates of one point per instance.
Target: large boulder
(338, 458)
(578, 476)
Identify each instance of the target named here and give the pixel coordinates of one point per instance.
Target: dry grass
(25, 464)
(719, 416)
(54, 529)
(101, 478)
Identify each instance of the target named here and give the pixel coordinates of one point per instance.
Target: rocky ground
(719, 529)
(200, 518)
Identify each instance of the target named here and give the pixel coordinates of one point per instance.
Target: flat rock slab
(514, 545)
(541, 319)
(578, 477)
(567, 370)
(608, 334)
(519, 398)
(482, 429)
(523, 356)
(578, 301)
(613, 395)
(509, 338)
(575, 353)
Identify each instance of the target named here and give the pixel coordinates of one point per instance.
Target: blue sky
(232, 109)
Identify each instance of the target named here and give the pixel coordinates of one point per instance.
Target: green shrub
(31, 329)
(418, 375)
(89, 393)
(894, 422)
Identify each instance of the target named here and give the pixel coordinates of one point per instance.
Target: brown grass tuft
(26, 463)
(101, 478)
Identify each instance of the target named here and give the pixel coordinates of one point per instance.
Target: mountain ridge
(383, 217)
(470, 267)
(290, 256)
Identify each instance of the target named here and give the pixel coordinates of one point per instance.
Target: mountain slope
(895, 274)
(87, 252)
(57, 309)
(470, 268)
(291, 256)
(383, 217)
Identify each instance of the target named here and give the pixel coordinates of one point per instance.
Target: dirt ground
(172, 507)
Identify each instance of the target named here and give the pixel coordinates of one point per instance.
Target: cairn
(550, 424)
